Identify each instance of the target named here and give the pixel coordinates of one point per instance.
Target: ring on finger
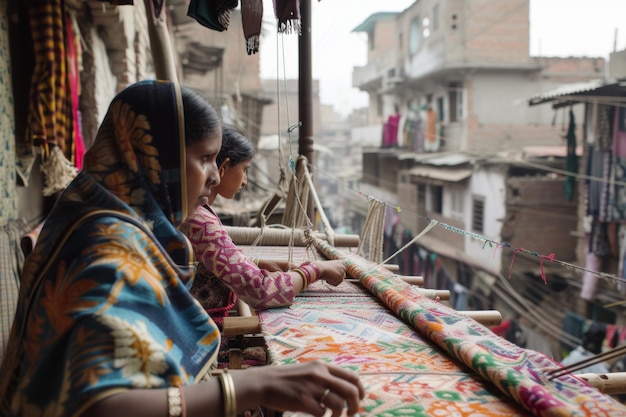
(324, 395)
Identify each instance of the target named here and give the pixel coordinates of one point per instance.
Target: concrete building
(457, 146)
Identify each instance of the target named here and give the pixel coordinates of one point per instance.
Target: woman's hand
(297, 387)
(301, 387)
(333, 272)
(275, 265)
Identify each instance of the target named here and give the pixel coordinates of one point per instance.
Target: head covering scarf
(104, 305)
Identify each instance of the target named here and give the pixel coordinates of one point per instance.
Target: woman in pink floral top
(224, 271)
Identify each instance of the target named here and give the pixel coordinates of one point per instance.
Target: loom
(415, 355)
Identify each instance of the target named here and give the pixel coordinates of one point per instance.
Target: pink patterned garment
(224, 268)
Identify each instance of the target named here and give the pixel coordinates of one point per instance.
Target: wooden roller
(241, 325)
(485, 317)
(611, 383)
(413, 280)
(391, 267)
(435, 294)
(283, 237)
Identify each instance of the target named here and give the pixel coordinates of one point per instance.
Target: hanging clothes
(390, 131)
(420, 132)
(74, 63)
(8, 202)
(288, 14)
(593, 263)
(49, 124)
(571, 161)
(251, 18)
(603, 132)
(596, 166)
(212, 14)
(431, 139)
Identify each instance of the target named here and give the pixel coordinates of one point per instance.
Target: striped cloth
(11, 260)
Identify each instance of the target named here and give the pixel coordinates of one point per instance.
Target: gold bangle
(228, 389)
(305, 283)
(174, 402)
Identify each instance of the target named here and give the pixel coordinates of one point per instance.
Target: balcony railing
(376, 71)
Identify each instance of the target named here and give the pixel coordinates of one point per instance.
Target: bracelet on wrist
(228, 391)
(175, 402)
(305, 281)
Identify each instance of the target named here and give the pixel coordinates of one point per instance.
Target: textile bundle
(251, 18)
(51, 122)
(417, 356)
(288, 14)
(213, 14)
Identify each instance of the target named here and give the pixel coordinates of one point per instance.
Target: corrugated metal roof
(566, 93)
(442, 174)
(450, 159)
(565, 90)
(438, 159)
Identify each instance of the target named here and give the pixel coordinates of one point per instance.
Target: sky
(557, 28)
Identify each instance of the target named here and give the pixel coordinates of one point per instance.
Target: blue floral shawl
(104, 303)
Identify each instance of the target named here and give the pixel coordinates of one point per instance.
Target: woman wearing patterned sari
(105, 323)
(225, 273)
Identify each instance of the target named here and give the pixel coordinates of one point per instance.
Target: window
(421, 197)
(455, 101)
(457, 208)
(414, 36)
(478, 214)
(440, 110)
(436, 199)
(426, 25)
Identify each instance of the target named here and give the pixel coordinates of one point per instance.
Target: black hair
(593, 337)
(235, 145)
(201, 119)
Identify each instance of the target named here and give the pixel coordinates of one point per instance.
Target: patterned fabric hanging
(8, 202)
(49, 124)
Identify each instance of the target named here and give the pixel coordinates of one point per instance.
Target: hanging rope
(373, 232)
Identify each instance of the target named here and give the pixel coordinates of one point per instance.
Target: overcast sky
(557, 28)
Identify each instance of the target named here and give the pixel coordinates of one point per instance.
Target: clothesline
(493, 244)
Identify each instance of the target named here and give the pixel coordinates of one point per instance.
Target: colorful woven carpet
(417, 356)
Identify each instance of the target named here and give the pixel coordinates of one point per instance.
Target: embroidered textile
(432, 361)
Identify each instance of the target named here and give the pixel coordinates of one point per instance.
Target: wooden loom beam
(609, 383)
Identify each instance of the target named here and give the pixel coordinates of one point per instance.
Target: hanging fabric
(74, 63)
(8, 204)
(213, 14)
(571, 161)
(431, 140)
(251, 19)
(49, 125)
(288, 14)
